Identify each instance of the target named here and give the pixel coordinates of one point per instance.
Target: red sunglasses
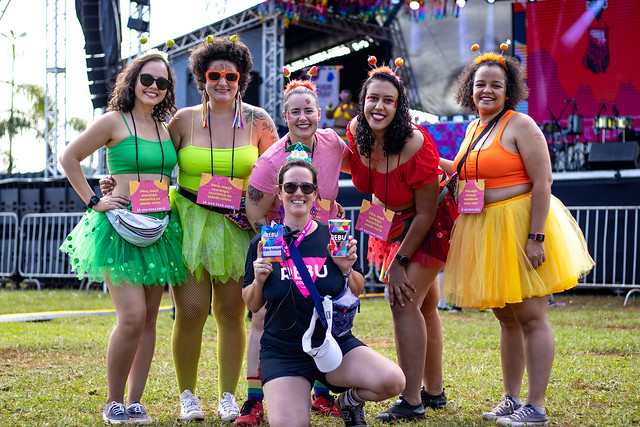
(229, 76)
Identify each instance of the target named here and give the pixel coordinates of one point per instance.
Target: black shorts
(276, 364)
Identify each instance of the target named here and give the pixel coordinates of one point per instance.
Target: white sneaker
(190, 407)
(228, 408)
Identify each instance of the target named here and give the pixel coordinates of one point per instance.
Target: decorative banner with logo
(149, 196)
(328, 87)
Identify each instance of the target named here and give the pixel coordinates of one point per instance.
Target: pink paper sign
(374, 220)
(149, 196)
(320, 210)
(470, 196)
(220, 191)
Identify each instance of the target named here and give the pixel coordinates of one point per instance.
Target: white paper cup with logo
(339, 230)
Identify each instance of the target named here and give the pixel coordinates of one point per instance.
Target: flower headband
(298, 152)
(372, 60)
(491, 56)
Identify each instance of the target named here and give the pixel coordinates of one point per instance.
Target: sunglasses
(292, 187)
(229, 76)
(161, 83)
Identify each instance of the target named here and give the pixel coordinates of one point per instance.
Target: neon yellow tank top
(194, 161)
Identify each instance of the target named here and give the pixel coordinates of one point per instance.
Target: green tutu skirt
(211, 241)
(96, 250)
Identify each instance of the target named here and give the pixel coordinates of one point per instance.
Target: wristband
(349, 273)
(538, 237)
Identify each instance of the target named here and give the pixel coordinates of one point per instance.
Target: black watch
(403, 260)
(94, 200)
(538, 237)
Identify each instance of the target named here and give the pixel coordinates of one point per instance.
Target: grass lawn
(53, 372)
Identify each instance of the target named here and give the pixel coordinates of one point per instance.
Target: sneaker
(507, 406)
(434, 402)
(527, 415)
(325, 404)
(115, 413)
(190, 407)
(137, 414)
(252, 413)
(401, 410)
(353, 416)
(228, 408)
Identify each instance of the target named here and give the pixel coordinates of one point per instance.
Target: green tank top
(194, 161)
(121, 158)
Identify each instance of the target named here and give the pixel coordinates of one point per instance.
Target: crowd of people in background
(490, 221)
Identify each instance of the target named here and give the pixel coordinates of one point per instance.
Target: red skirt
(432, 253)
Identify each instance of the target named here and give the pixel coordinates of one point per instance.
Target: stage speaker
(614, 155)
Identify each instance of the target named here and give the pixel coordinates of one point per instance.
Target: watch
(538, 237)
(94, 200)
(403, 260)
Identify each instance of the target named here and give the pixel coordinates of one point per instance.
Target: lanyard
(135, 134)
(386, 181)
(303, 233)
(233, 144)
(472, 145)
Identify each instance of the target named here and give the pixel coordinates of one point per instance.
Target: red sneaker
(325, 405)
(252, 414)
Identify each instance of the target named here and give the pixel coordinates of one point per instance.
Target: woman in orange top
(523, 244)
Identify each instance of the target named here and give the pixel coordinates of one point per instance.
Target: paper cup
(339, 230)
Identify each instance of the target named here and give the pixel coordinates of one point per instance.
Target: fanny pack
(137, 229)
(345, 305)
(238, 217)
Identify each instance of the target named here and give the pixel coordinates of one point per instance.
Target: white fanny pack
(137, 229)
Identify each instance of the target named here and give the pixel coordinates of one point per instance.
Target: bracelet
(348, 274)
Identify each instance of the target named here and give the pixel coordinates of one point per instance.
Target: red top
(420, 169)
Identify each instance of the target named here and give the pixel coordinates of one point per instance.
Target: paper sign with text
(470, 196)
(149, 196)
(220, 191)
(374, 220)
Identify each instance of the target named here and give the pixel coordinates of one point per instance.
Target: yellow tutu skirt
(487, 266)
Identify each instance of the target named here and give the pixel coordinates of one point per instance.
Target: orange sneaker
(325, 405)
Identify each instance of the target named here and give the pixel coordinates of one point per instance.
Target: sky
(28, 16)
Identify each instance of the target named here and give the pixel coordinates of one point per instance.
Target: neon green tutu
(95, 249)
(210, 241)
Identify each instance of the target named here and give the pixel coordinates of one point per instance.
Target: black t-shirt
(288, 310)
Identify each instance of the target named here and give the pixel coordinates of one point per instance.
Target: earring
(507, 97)
(237, 120)
(204, 120)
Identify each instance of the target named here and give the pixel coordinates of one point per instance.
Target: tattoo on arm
(257, 226)
(255, 195)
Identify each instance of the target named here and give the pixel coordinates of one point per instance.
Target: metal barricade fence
(40, 238)
(8, 244)
(612, 234)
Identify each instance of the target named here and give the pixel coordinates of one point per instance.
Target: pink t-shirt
(327, 157)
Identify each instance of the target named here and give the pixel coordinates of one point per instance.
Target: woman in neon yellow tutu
(515, 244)
(143, 96)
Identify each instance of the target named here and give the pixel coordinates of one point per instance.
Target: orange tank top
(498, 166)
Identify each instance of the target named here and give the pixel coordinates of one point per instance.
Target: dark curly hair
(123, 96)
(221, 48)
(400, 127)
(516, 89)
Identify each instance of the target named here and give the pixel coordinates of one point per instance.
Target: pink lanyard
(303, 233)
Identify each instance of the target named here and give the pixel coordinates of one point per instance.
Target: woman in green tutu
(139, 153)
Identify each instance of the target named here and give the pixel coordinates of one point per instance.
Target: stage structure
(279, 26)
(55, 91)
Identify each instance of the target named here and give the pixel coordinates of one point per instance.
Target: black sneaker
(353, 416)
(402, 411)
(434, 402)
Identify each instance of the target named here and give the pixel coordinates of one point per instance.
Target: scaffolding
(55, 98)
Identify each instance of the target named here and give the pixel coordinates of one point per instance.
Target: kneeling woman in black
(287, 372)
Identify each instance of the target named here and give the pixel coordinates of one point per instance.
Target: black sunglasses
(292, 187)
(161, 82)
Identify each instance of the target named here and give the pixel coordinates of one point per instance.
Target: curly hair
(516, 88)
(221, 48)
(123, 96)
(302, 87)
(400, 127)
